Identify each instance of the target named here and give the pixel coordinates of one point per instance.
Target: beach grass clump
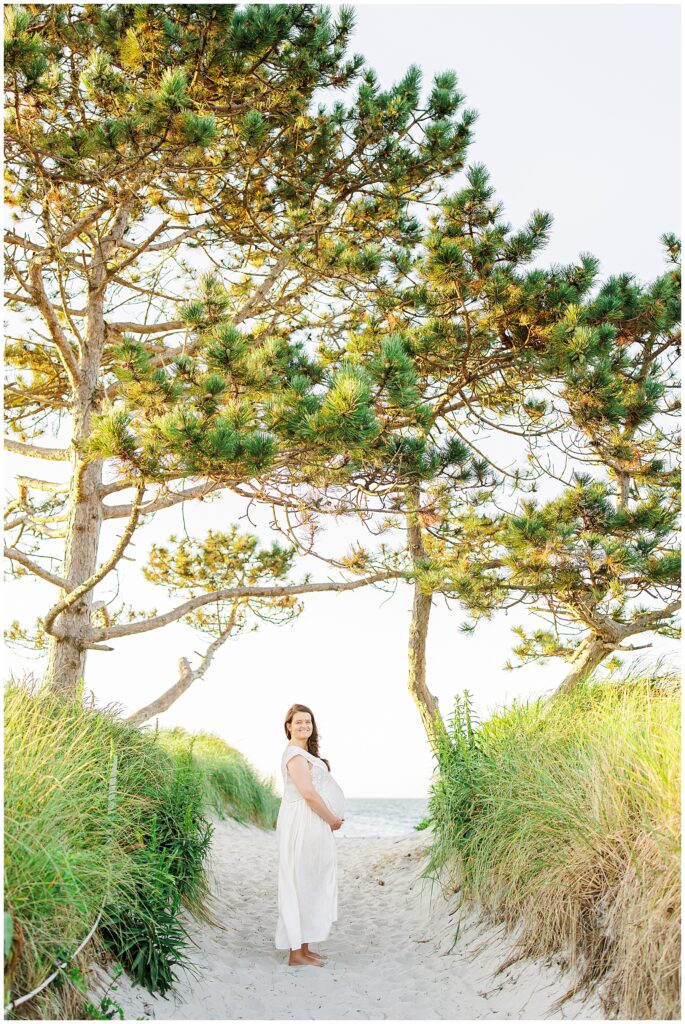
(561, 818)
(102, 819)
(231, 786)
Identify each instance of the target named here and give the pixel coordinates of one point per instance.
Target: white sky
(579, 115)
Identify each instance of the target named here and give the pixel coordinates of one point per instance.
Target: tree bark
(418, 634)
(67, 652)
(592, 655)
(66, 655)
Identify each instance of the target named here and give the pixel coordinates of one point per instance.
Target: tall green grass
(66, 855)
(230, 785)
(561, 819)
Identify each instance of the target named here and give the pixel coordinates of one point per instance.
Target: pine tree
(189, 219)
(601, 560)
(460, 330)
(454, 345)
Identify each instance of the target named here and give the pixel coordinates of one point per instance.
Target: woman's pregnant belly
(332, 794)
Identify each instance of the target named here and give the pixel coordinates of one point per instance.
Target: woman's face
(301, 726)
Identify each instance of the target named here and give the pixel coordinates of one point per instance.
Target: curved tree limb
(117, 269)
(56, 332)
(186, 677)
(160, 501)
(12, 238)
(145, 625)
(40, 526)
(106, 566)
(249, 307)
(168, 327)
(71, 233)
(595, 647)
(37, 452)
(35, 568)
(50, 486)
(644, 620)
(188, 233)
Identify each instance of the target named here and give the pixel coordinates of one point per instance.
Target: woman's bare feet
(300, 959)
(310, 952)
(317, 956)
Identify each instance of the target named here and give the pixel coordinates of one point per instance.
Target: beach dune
(392, 952)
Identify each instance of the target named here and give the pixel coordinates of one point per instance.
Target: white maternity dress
(307, 863)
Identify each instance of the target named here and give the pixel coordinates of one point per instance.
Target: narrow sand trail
(392, 952)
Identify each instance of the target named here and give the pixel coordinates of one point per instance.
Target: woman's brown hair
(313, 740)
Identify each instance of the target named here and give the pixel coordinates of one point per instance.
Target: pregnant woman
(311, 810)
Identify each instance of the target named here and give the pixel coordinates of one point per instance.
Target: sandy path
(389, 950)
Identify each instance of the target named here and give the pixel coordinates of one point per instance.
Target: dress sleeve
(290, 754)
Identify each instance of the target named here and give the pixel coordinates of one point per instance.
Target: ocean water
(382, 816)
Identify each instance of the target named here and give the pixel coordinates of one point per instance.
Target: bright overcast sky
(579, 115)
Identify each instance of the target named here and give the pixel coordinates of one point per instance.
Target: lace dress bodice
(322, 780)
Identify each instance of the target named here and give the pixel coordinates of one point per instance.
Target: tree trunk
(418, 635)
(66, 657)
(67, 653)
(593, 654)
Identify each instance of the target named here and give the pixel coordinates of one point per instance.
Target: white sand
(392, 954)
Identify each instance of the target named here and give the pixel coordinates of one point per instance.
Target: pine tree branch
(186, 677)
(33, 567)
(20, 520)
(14, 504)
(106, 566)
(71, 233)
(643, 621)
(275, 272)
(20, 278)
(37, 526)
(50, 486)
(168, 354)
(160, 501)
(56, 332)
(65, 307)
(248, 309)
(143, 291)
(25, 243)
(161, 479)
(138, 250)
(36, 452)
(29, 300)
(24, 145)
(42, 524)
(230, 594)
(171, 478)
(116, 485)
(123, 244)
(169, 326)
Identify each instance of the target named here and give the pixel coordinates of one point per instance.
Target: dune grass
(68, 855)
(230, 785)
(562, 819)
